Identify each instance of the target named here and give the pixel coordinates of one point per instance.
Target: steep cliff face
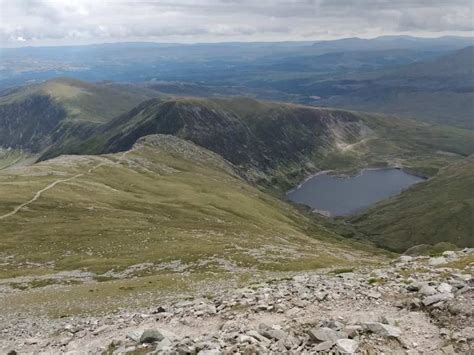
(264, 140)
(33, 118)
(271, 134)
(29, 123)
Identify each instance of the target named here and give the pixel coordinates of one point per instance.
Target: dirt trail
(38, 195)
(54, 183)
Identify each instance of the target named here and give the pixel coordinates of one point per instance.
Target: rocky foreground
(414, 305)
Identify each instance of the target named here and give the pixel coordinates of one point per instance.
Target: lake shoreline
(335, 195)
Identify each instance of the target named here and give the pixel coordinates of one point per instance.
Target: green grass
(461, 263)
(342, 271)
(157, 206)
(85, 101)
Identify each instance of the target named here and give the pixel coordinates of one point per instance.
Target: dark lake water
(345, 195)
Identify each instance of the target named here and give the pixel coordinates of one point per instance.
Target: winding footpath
(38, 195)
(54, 183)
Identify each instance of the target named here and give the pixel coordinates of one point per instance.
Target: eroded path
(54, 183)
(38, 195)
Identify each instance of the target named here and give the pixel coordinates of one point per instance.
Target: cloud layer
(58, 22)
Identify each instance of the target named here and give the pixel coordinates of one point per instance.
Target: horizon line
(234, 42)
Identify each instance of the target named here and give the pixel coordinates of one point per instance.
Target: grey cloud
(88, 21)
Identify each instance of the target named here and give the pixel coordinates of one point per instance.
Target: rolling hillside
(164, 204)
(34, 117)
(438, 210)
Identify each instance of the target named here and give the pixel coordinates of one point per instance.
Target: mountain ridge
(283, 142)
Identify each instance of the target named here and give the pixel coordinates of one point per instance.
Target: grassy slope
(441, 209)
(34, 117)
(166, 200)
(84, 101)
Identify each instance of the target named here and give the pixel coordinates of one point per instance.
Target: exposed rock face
(29, 124)
(283, 316)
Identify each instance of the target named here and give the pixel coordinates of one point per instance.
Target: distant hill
(166, 202)
(393, 42)
(439, 210)
(34, 117)
(438, 91)
(456, 65)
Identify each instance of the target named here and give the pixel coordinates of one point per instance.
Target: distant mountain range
(402, 75)
(439, 91)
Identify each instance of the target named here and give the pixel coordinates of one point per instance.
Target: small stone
(246, 339)
(324, 334)
(448, 350)
(449, 253)
(291, 341)
(151, 336)
(414, 304)
(32, 341)
(347, 346)
(413, 287)
(443, 331)
(276, 334)
(164, 345)
(65, 339)
(293, 312)
(445, 288)
(334, 324)
(160, 309)
(468, 333)
(437, 261)
(324, 346)
(352, 330)
(134, 335)
(210, 352)
(100, 330)
(387, 320)
(427, 290)
(374, 295)
(256, 335)
(405, 259)
(321, 296)
(440, 297)
(300, 303)
(383, 329)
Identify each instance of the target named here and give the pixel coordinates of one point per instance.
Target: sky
(69, 22)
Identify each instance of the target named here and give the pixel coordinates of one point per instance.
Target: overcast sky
(60, 22)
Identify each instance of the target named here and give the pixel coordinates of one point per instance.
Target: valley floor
(409, 306)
